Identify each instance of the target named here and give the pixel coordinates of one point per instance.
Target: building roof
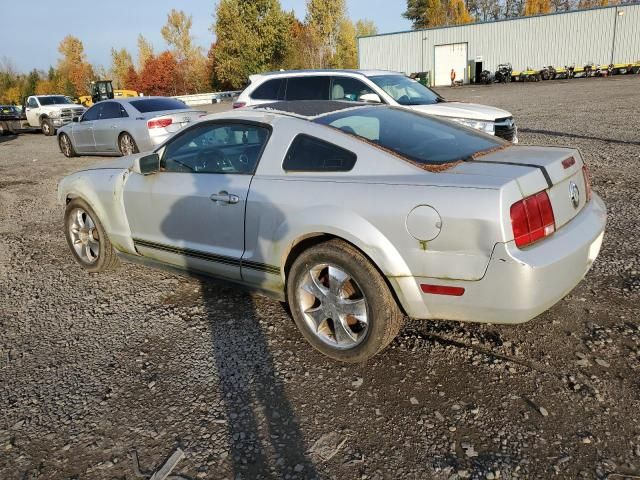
(511, 19)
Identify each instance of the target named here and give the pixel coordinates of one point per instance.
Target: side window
(91, 114)
(123, 112)
(270, 90)
(109, 110)
(32, 103)
(216, 148)
(310, 154)
(308, 88)
(345, 88)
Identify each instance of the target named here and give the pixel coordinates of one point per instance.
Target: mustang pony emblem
(574, 194)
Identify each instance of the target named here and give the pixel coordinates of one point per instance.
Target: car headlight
(483, 126)
(54, 114)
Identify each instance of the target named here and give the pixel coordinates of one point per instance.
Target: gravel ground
(95, 367)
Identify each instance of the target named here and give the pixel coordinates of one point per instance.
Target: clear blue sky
(32, 29)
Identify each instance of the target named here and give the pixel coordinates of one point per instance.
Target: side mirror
(370, 98)
(147, 164)
(76, 119)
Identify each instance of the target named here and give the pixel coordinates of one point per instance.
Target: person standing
(453, 77)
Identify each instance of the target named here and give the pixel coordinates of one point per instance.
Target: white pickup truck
(49, 112)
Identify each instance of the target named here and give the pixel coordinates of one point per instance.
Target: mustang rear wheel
(65, 146)
(87, 239)
(127, 144)
(341, 303)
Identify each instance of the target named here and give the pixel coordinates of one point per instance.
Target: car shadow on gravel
(7, 138)
(553, 133)
(264, 438)
(263, 435)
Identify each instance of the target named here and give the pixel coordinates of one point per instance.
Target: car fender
(103, 191)
(342, 223)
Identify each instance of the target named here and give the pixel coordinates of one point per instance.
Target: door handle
(224, 197)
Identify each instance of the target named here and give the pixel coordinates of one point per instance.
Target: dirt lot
(93, 367)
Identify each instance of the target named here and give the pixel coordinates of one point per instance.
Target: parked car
(376, 86)
(354, 214)
(10, 119)
(125, 126)
(49, 112)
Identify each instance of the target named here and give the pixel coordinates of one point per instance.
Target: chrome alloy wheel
(333, 306)
(65, 143)
(84, 236)
(127, 146)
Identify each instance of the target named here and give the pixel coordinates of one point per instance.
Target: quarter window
(216, 148)
(308, 88)
(310, 154)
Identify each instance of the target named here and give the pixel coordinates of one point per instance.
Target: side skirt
(207, 277)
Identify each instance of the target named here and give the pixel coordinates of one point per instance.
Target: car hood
(462, 110)
(122, 163)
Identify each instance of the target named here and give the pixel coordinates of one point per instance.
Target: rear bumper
(518, 284)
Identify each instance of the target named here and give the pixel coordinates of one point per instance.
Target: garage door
(447, 57)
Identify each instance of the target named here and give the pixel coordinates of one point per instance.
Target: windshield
(423, 139)
(406, 91)
(54, 100)
(157, 104)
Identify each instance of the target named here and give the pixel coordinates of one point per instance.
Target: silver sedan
(125, 126)
(356, 215)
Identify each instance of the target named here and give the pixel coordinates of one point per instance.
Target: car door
(190, 214)
(106, 127)
(32, 111)
(82, 131)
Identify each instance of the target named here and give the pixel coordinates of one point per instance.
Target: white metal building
(599, 35)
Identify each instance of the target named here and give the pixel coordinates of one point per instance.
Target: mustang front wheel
(87, 239)
(341, 303)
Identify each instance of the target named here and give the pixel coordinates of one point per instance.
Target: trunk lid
(179, 118)
(554, 169)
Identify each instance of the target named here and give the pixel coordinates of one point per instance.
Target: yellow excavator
(103, 90)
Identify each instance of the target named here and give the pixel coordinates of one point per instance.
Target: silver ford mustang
(356, 215)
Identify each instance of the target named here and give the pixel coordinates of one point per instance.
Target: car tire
(47, 127)
(335, 278)
(127, 145)
(87, 238)
(66, 147)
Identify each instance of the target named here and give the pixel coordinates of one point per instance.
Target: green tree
(326, 19)
(426, 13)
(121, 62)
(346, 55)
(251, 36)
(145, 51)
(365, 27)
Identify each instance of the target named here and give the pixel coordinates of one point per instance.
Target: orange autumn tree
(537, 7)
(74, 71)
(160, 75)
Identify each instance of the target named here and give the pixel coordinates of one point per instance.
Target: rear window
(270, 90)
(157, 104)
(423, 139)
(310, 154)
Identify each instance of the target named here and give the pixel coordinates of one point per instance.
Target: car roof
(311, 109)
(293, 73)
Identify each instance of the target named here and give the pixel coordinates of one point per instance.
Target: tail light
(532, 219)
(239, 104)
(587, 180)
(160, 123)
